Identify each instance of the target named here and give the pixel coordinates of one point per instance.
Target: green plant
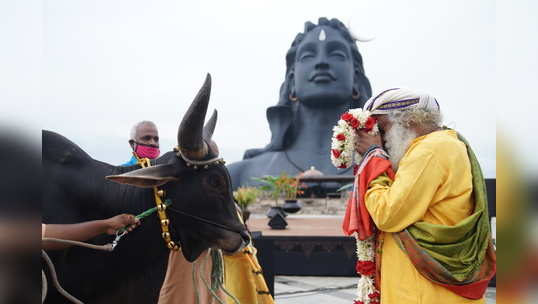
(289, 186)
(270, 186)
(245, 196)
(282, 186)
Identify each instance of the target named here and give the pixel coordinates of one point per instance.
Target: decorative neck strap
(158, 195)
(199, 163)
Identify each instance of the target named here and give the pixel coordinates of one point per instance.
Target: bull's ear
(147, 177)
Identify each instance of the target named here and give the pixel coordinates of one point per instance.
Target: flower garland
(343, 140)
(342, 150)
(366, 291)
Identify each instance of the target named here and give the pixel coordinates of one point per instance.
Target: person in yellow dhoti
(432, 213)
(243, 277)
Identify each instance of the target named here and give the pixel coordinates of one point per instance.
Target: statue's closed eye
(338, 54)
(305, 56)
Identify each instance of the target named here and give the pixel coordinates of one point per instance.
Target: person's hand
(365, 141)
(117, 222)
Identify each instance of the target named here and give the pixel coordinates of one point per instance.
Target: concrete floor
(334, 290)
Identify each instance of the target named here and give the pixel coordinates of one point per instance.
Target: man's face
(384, 124)
(147, 134)
(323, 68)
(396, 138)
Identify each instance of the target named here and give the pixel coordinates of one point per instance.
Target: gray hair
(426, 118)
(137, 125)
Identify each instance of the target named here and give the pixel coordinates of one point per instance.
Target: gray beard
(397, 140)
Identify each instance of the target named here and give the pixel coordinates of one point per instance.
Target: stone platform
(312, 245)
(300, 225)
(310, 206)
(334, 290)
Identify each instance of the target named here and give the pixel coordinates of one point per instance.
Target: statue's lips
(322, 78)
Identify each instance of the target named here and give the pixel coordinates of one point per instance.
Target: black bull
(76, 190)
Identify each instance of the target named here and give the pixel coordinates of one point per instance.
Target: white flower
(336, 145)
(362, 117)
(336, 161)
(338, 129)
(355, 112)
(364, 288)
(358, 158)
(365, 250)
(375, 130)
(347, 146)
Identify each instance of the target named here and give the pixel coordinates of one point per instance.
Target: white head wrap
(399, 99)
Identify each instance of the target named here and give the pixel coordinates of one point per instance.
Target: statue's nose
(322, 62)
(322, 65)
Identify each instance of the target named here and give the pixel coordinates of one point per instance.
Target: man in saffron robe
(429, 205)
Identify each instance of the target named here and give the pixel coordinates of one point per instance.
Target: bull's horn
(209, 127)
(190, 133)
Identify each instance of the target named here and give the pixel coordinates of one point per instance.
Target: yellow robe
(433, 184)
(244, 278)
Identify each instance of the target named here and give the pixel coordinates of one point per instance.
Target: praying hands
(365, 141)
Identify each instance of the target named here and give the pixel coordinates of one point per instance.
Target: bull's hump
(58, 149)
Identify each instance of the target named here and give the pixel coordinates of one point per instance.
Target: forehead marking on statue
(322, 35)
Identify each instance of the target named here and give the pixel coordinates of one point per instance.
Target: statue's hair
(137, 125)
(359, 76)
(428, 120)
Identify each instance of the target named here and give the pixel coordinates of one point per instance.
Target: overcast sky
(90, 69)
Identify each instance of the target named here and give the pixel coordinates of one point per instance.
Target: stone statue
(324, 78)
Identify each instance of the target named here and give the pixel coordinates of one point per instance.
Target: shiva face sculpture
(324, 78)
(323, 71)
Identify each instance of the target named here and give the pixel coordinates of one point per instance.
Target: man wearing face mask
(144, 141)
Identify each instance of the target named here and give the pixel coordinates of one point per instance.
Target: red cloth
(477, 289)
(473, 291)
(357, 219)
(474, 288)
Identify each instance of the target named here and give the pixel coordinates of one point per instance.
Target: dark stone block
(278, 222)
(276, 210)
